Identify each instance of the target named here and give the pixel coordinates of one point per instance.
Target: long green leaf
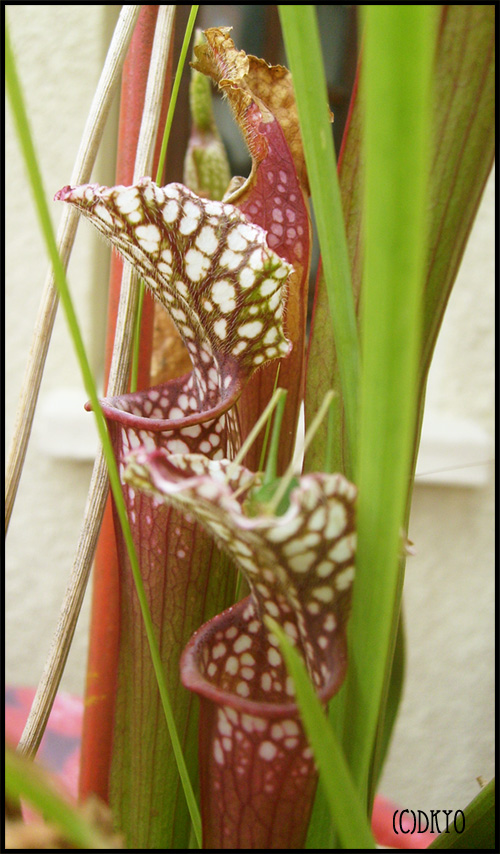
(475, 831)
(394, 695)
(463, 147)
(463, 151)
(303, 48)
(22, 125)
(398, 54)
(346, 808)
(159, 175)
(322, 361)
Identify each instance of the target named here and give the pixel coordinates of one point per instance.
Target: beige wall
(59, 51)
(444, 736)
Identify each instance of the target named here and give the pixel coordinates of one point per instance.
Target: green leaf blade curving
(396, 92)
(339, 790)
(301, 37)
(478, 833)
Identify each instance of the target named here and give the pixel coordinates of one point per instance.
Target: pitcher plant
(249, 536)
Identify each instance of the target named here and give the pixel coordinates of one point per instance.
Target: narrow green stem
(303, 48)
(258, 426)
(159, 173)
(270, 473)
(344, 803)
(268, 426)
(399, 45)
(175, 90)
(329, 450)
(290, 473)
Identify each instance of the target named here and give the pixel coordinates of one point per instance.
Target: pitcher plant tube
(215, 271)
(223, 287)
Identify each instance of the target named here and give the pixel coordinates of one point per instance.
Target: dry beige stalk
(84, 163)
(119, 372)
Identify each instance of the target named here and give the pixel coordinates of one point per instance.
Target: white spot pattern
(290, 568)
(203, 260)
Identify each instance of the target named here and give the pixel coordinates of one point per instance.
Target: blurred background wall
(444, 737)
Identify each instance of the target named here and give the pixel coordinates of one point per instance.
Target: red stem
(105, 622)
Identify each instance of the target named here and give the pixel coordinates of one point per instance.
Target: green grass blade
(288, 476)
(159, 174)
(394, 696)
(463, 149)
(348, 815)
(303, 49)
(31, 161)
(263, 453)
(271, 467)
(478, 832)
(399, 45)
(322, 356)
(175, 90)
